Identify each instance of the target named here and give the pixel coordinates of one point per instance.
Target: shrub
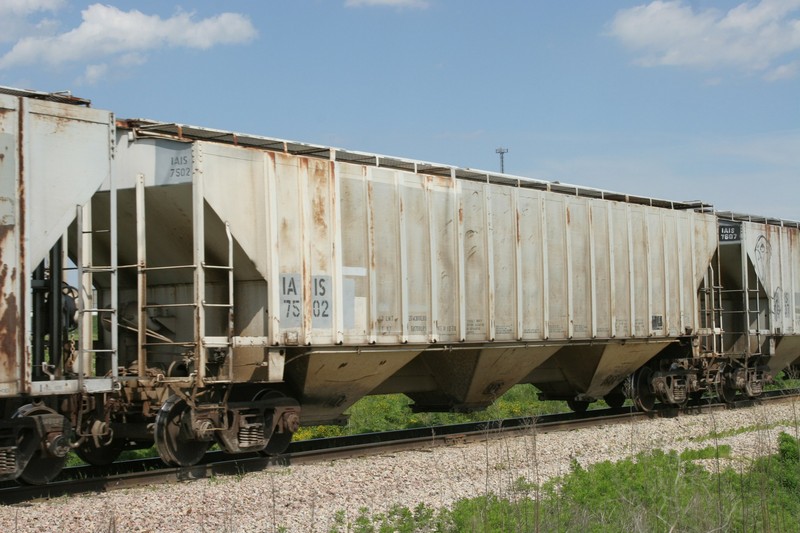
(393, 411)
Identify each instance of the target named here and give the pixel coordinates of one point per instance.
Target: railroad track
(128, 474)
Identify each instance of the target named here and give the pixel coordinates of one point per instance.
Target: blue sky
(679, 100)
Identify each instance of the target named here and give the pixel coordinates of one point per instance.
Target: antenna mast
(502, 151)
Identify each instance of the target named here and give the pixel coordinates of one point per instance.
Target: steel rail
(129, 474)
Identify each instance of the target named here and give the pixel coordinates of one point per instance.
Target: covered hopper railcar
(227, 288)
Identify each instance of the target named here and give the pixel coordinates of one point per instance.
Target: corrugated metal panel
(362, 254)
(446, 219)
(502, 238)
(773, 252)
(416, 256)
(402, 250)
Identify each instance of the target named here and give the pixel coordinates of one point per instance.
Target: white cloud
(754, 37)
(419, 4)
(120, 69)
(26, 7)
(108, 32)
(14, 18)
(94, 73)
(784, 72)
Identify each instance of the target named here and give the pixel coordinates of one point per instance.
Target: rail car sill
(72, 386)
(241, 342)
(216, 342)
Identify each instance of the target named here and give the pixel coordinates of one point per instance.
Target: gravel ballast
(307, 497)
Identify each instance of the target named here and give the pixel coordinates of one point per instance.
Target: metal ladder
(712, 311)
(86, 304)
(201, 342)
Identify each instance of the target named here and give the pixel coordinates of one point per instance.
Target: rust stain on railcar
(9, 319)
(319, 208)
(8, 337)
(3, 113)
(60, 122)
(444, 182)
(371, 215)
(21, 232)
(373, 325)
(307, 311)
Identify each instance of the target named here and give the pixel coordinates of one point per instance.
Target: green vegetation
(788, 378)
(393, 411)
(722, 451)
(129, 455)
(714, 435)
(655, 491)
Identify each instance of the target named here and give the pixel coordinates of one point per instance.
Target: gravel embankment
(306, 498)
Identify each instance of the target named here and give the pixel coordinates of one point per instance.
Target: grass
(714, 435)
(653, 491)
(710, 452)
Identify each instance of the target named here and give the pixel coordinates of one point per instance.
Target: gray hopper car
(182, 286)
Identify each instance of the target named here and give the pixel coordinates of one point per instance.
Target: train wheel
(725, 391)
(44, 467)
(615, 400)
(643, 397)
(173, 437)
(101, 455)
(579, 406)
(280, 439)
(278, 443)
(99, 448)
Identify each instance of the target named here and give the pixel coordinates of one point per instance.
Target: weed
(393, 411)
(722, 451)
(653, 491)
(715, 435)
(522, 485)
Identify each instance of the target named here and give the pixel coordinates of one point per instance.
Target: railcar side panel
(772, 255)
(448, 320)
(11, 274)
(53, 157)
(533, 263)
(502, 229)
(600, 253)
(416, 259)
